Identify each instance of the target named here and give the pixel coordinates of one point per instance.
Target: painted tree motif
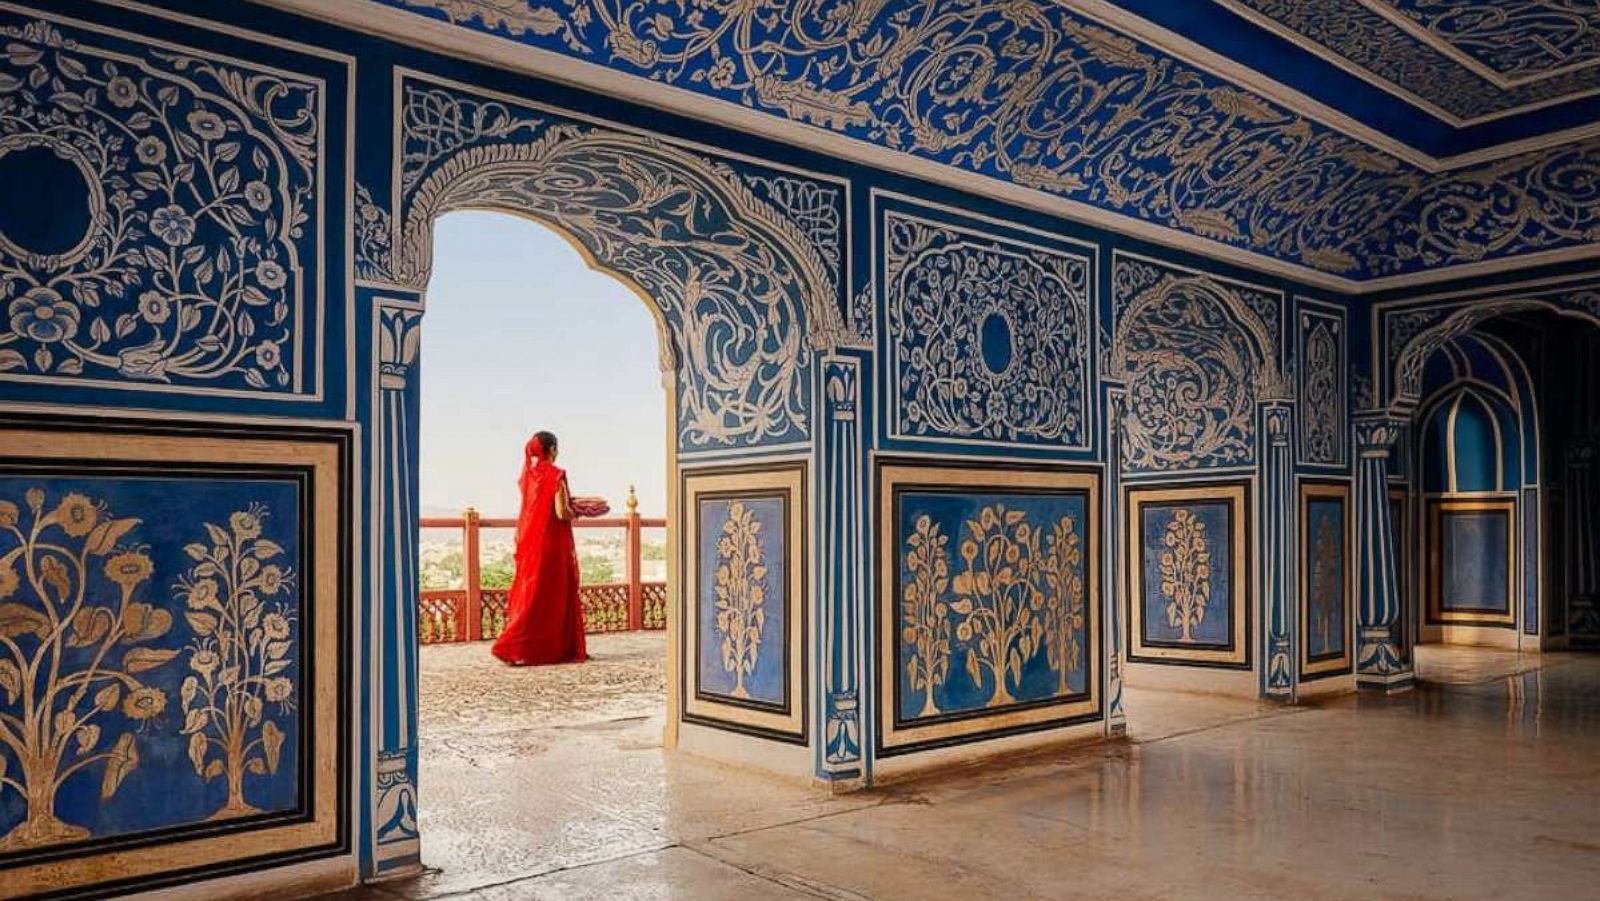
(1186, 573)
(71, 651)
(741, 594)
(999, 598)
(240, 656)
(1324, 585)
(925, 612)
(1062, 599)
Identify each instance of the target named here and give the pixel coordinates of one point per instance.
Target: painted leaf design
(138, 660)
(197, 752)
(213, 770)
(89, 626)
(195, 720)
(106, 698)
(201, 623)
(271, 743)
(17, 619)
(124, 758)
(10, 681)
(106, 535)
(256, 767)
(87, 736)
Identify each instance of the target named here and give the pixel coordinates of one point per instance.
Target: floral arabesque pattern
(71, 654)
(1036, 93)
(241, 611)
(200, 181)
(739, 285)
(925, 610)
(943, 285)
(1321, 395)
(1195, 359)
(1185, 572)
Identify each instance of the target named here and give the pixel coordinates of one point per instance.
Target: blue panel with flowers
(991, 591)
(151, 668)
(743, 605)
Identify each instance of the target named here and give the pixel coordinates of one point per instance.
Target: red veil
(544, 618)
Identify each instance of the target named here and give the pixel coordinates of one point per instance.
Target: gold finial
(633, 502)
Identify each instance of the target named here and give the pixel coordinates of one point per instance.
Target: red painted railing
(476, 613)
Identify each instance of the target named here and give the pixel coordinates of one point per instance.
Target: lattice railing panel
(492, 618)
(655, 605)
(442, 617)
(605, 607)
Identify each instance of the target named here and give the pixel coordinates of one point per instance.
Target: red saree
(544, 619)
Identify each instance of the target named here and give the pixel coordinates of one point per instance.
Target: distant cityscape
(602, 557)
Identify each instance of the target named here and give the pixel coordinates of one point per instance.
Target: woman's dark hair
(547, 441)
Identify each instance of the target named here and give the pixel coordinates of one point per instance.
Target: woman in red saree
(544, 619)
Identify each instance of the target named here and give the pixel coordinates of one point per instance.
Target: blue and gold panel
(1472, 561)
(1323, 381)
(1188, 576)
(988, 610)
(1325, 590)
(988, 338)
(172, 676)
(745, 583)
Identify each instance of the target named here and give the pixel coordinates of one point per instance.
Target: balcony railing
(476, 613)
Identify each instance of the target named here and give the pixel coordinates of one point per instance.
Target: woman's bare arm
(563, 501)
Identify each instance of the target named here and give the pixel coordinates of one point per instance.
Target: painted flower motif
(206, 125)
(154, 308)
(204, 662)
(202, 593)
(275, 626)
(278, 690)
(258, 195)
(8, 582)
(721, 74)
(172, 225)
(128, 569)
(43, 315)
(144, 703)
(150, 151)
(122, 92)
(267, 355)
(271, 580)
(271, 274)
(9, 514)
(77, 515)
(245, 525)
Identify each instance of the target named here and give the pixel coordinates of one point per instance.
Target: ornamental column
(1280, 675)
(1115, 654)
(841, 538)
(1378, 661)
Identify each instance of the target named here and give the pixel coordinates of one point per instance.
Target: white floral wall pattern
(1036, 93)
(988, 339)
(185, 217)
(744, 291)
(1322, 387)
(1195, 354)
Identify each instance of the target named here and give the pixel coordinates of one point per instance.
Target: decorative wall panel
(988, 603)
(1039, 94)
(171, 647)
(1196, 353)
(1472, 561)
(1325, 585)
(747, 603)
(988, 339)
(1405, 576)
(186, 230)
(1323, 384)
(745, 285)
(1188, 574)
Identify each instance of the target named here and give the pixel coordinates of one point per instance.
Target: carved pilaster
(1279, 676)
(1116, 715)
(1378, 661)
(842, 580)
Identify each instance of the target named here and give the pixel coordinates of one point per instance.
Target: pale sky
(520, 336)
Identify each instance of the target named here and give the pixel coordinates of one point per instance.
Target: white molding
(1339, 60)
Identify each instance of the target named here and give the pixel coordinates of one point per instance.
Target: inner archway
(575, 352)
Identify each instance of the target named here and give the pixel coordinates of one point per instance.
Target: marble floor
(1481, 783)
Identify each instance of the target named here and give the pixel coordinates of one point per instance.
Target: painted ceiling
(1165, 112)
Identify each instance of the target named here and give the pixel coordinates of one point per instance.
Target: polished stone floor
(1482, 783)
